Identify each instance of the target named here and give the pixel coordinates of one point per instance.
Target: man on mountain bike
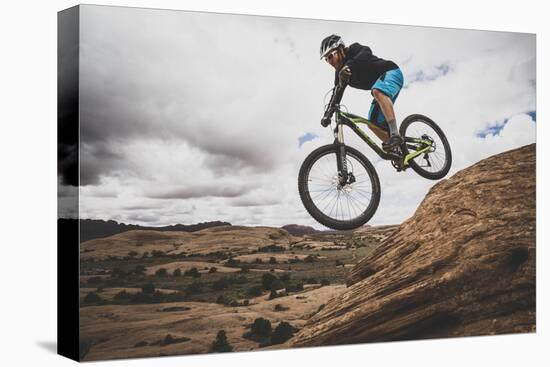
(357, 66)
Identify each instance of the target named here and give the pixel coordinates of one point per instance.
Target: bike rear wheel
(422, 134)
(337, 206)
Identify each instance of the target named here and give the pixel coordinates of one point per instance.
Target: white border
(28, 151)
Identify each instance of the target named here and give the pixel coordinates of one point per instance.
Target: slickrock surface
(462, 265)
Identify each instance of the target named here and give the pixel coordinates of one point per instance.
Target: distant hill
(93, 228)
(298, 230)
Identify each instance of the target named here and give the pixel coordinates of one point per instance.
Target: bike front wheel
(331, 203)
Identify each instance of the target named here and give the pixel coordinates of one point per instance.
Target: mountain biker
(357, 66)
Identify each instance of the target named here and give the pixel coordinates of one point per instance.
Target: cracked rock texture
(462, 265)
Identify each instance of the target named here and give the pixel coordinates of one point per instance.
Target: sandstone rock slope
(462, 265)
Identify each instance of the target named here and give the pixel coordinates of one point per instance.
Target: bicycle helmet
(330, 43)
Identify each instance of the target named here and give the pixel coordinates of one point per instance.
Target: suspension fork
(341, 161)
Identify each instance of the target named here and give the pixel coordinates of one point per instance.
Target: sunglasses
(330, 55)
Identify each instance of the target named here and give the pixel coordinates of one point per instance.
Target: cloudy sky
(189, 117)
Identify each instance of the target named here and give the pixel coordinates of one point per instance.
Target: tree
(261, 327)
(177, 272)
(92, 297)
(282, 333)
(161, 272)
(193, 272)
(221, 345)
(268, 280)
(254, 291)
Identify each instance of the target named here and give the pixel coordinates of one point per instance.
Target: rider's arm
(337, 94)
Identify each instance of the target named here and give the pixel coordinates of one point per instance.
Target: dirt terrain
(147, 293)
(117, 329)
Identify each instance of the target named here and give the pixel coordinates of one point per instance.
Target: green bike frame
(353, 121)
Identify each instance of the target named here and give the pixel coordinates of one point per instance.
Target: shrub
(148, 288)
(246, 302)
(282, 333)
(280, 307)
(139, 270)
(177, 272)
(122, 296)
(268, 280)
(193, 272)
(92, 297)
(254, 291)
(310, 259)
(273, 294)
(118, 273)
(169, 339)
(271, 248)
(222, 300)
(195, 287)
(258, 261)
(272, 260)
(145, 254)
(245, 268)
(94, 280)
(157, 253)
(221, 284)
(311, 281)
(213, 269)
(221, 345)
(232, 262)
(132, 253)
(142, 343)
(339, 263)
(241, 279)
(324, 282)
(161, 272)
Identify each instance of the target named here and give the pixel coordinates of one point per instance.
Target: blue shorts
(390, 83)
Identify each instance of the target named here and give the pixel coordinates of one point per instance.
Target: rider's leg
(381, 133)
(386, 105)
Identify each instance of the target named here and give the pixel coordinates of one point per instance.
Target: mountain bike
(339, 186)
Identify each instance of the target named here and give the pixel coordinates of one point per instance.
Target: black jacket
(365, 67)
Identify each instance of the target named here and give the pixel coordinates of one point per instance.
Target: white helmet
(330, 43)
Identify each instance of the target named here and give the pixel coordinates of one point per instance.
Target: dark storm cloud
(67, 96)
(140, 81)
(100, 159)
(203, 190)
